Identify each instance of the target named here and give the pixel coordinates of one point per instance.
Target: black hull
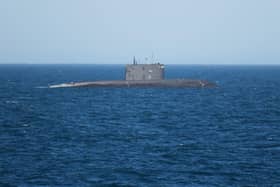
(176, 83)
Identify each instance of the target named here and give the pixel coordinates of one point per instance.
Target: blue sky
(113, 31)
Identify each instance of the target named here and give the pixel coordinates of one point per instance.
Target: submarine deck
(176, 83)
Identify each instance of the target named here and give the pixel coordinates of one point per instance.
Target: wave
(42, 87)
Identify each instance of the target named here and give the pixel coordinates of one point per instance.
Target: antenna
(153, 59)
(146, 60)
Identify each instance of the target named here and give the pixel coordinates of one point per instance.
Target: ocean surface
(224, 136)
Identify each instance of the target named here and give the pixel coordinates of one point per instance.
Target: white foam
(64, 85)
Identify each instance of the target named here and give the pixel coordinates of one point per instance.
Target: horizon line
(184, 64)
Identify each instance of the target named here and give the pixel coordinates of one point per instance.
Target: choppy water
(228, 136)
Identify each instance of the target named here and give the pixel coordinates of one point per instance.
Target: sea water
(224, 136)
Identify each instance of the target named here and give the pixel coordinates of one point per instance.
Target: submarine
(142, 75)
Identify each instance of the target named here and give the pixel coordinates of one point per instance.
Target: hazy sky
(113, 31)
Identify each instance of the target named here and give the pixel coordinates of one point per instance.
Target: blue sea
(224, 136)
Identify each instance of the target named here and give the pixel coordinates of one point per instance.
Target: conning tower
(144, 72)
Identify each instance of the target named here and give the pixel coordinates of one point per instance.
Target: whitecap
(11, 102)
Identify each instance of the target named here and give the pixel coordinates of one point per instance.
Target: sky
(113, 31)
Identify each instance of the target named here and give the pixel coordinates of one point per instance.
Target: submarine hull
(175, 83)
